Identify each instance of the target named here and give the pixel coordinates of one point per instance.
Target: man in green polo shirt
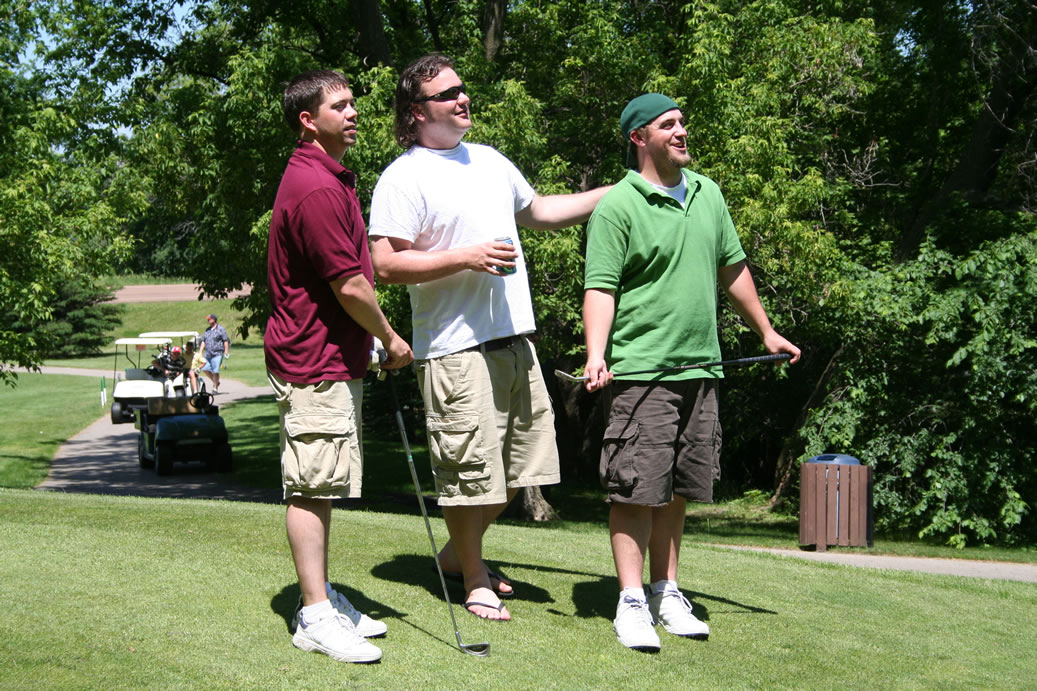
(658, 244)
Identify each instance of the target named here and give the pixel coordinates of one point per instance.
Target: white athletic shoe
(336, 637)
(673, 611)
(364, 625)
(633, 625)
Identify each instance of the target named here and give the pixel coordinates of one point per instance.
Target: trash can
(835, 502)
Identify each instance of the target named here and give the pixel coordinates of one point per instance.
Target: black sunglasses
(450, 94)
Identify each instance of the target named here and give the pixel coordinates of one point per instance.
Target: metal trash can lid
(837, 458)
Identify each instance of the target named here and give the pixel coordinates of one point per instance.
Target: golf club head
(565, 376)
(476, 649)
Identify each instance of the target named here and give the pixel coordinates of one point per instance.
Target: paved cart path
(102, 459)
(173, 292)
(994, 570)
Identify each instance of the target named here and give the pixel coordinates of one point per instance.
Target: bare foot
(483, 603)
(500, 584)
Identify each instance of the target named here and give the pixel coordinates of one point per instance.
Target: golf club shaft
(479, 649)
(676, 368)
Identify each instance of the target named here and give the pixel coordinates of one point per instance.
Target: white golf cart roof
(169, 334)
(142, 340)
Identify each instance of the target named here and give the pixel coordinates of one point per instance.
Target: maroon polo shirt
(317, 235)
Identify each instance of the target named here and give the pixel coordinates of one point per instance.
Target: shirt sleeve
(606, 251)
(730, 247)
(522, 192)
(394, 212)
(330, 242)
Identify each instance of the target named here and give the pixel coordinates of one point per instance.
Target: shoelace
(640, 606)
(680, 596)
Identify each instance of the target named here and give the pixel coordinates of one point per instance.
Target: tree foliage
(878, 158)
(64, 195)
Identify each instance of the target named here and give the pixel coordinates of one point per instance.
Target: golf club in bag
(676, 368)
(477, 649)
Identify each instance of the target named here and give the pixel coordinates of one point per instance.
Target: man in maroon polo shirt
(318, 345)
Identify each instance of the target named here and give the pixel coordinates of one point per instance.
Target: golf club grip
(773, 357)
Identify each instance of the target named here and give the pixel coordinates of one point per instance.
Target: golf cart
(175, 423)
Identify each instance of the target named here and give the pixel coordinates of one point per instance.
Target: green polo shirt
(661, 259)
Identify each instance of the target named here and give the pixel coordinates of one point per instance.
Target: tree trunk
(786, 459)
(433, 25)
(493, 27)
(371, 45)
(1013, 83)
(530, 505)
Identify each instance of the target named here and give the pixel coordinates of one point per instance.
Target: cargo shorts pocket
(705, 447)
(618, 451)
(458, 457)
(315, 457)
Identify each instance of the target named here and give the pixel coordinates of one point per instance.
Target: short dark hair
(306, 91)
(408, 90)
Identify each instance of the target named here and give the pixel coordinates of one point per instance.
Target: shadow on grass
(285, 602)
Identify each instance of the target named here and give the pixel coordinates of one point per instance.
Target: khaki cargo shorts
(321, 445)
(490, 423)
(662, 438)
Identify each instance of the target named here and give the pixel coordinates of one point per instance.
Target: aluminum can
(504, 269)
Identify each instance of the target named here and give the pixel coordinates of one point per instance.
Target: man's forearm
(599, 308)
(560, 210)
(357, 297)
(737, 282)
(415, 266)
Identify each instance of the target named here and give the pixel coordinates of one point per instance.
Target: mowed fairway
(103, 592)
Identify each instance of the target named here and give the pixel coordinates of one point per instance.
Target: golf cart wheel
(142, 453)
(118, 413)
(224, 459)
(164, 452)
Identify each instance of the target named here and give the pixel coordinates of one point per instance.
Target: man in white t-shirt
(443, 221)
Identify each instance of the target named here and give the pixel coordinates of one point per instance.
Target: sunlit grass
(38, 416)
(161, 593)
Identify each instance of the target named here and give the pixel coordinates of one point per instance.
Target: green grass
(152, 593)
(39, 415)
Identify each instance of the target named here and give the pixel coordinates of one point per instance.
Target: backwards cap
(638, 113)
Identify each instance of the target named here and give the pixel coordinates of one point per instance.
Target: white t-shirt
(439, 200)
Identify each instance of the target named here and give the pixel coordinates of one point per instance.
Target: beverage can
(506, 269)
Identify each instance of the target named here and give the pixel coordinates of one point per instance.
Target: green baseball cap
(638, 113)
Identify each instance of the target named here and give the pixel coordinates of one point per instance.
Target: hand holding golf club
(597, 376)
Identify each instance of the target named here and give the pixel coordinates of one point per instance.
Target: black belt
(497, 344)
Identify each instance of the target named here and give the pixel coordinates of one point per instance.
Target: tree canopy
(879, 161)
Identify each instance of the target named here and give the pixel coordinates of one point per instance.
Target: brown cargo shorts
(662, 438)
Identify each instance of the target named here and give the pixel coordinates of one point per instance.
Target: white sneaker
(336, 637)
(364, 625)
(673, 611)
(633, 625)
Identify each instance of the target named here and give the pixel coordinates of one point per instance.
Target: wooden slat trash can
(835, 502)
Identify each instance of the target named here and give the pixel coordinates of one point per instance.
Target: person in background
(216, 350)
(195, 361)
